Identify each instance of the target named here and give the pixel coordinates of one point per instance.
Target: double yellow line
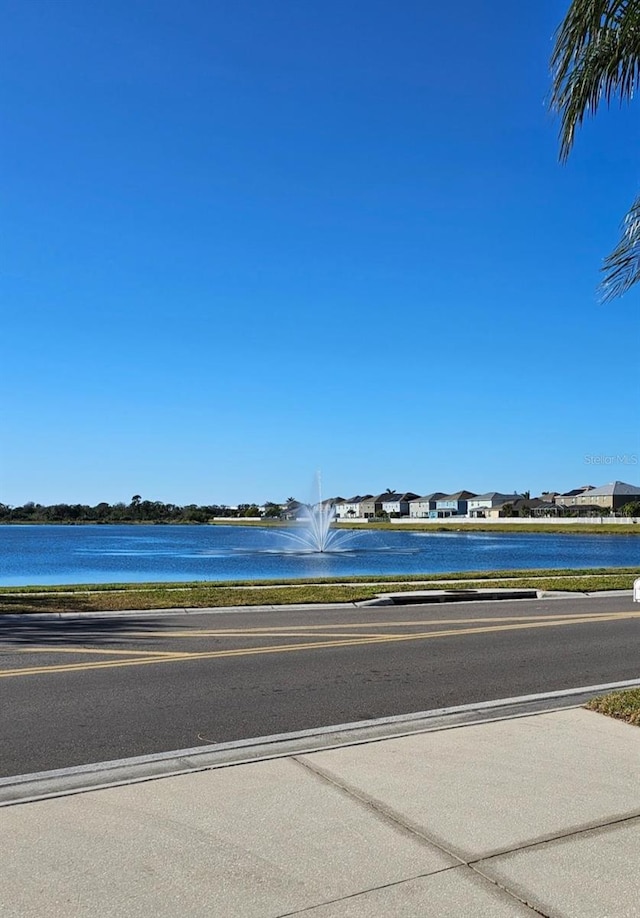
(150, 658)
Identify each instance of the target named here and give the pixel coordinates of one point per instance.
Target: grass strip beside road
(118, 597)
(383, 579)
(621, 705)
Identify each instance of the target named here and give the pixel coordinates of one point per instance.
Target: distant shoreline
(573, 527)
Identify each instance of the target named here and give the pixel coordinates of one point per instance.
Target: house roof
(614, 487)
(492, 495)
(575, 491)
(459, 495)
(433, 496)
(518, 502)
(394, 498)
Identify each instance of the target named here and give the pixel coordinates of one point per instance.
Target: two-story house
(351, 508)
(421, 506)
(394, 504)
(611, 496)
(573, 497)
(452, 505)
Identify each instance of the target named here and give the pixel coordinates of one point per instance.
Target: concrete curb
(13, 617)
(101, 775)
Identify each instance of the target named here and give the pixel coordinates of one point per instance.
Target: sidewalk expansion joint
(364, 892)
(395, 819)
(511, 893)
(397, 822)
(386, 814)
(561, 836)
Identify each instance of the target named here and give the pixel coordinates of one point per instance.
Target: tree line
(136, 511)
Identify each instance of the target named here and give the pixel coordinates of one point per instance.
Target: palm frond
(622, 266)
(596, 57)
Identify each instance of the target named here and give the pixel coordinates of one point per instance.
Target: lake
(133, 554)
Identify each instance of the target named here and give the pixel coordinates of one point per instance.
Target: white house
(350, 509)
(396, 504)
(477, 506)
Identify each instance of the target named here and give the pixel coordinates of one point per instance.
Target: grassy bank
(629, 528)
(115, 597)
(621, 705)
(624, 528)
(556, 528)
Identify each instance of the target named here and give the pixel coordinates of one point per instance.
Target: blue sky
(245, 241)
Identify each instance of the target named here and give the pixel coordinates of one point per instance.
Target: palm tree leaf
(596, 57)
(622, 266)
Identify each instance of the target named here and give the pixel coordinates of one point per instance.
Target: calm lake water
(102, 554)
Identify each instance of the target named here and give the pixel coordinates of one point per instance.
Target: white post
(636, 590)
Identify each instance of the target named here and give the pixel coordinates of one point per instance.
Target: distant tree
(194, 514)
(632, 508)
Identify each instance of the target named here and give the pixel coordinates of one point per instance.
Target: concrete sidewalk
(527, 816)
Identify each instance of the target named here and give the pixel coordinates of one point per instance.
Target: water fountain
(313, 530)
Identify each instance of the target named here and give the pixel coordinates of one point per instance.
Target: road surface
(87, 690)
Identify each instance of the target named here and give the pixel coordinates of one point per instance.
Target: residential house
(293, 510)
(570, 498)
(452, 504)
(421, 506)
(368, 507)
(610, 496)
(394, 504)
(545, 505)
(478, 506)
(351, 508)
(516, 505)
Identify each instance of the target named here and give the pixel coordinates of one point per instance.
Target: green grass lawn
(451, 526)
(557, 528)
(113, 597)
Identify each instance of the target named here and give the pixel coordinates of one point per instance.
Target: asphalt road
(90, 690)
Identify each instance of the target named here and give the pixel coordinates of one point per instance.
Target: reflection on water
(98, 554)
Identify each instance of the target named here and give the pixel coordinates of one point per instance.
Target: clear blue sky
(246, 240)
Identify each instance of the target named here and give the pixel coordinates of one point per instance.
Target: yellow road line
(287, 629)
(315, 645)
(90, 650)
